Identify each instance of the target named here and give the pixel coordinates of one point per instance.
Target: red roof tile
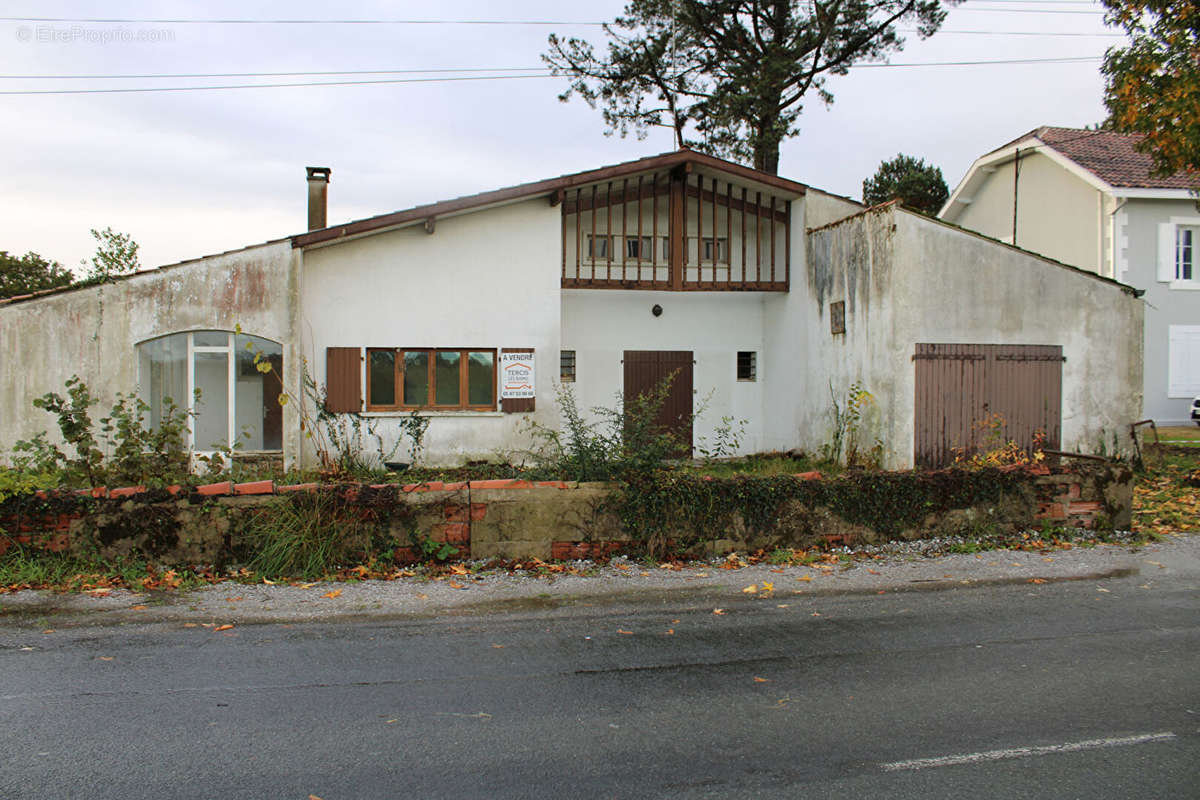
(1110, 156)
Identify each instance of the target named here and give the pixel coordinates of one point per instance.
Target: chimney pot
(318, 194)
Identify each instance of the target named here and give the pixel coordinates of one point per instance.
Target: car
(1196, 410)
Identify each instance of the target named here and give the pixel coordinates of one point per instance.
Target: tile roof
(1110, 156)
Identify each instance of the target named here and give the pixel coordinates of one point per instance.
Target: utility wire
(139, 89)
(132, 20)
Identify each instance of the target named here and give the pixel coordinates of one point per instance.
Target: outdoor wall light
(656, 310)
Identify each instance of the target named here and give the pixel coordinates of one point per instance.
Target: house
(765, 299)
(1087, 198)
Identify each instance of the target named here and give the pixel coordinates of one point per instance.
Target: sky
(189, 173)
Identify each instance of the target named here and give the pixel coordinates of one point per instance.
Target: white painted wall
(93, 332)
(600, 325)
(915, 280)
(487, 279)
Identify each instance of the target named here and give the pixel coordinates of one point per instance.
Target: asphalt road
(1085, 689)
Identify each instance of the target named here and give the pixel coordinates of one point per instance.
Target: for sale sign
(516, 375)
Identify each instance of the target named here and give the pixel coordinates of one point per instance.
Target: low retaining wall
(507, 519)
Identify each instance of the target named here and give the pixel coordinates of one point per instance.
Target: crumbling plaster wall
(93, 331)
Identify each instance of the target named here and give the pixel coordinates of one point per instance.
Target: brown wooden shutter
(516, 404)
(343, 379)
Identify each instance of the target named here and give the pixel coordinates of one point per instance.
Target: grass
(766, 465)
(1162, 502)
(1180, 434)
(24, 567)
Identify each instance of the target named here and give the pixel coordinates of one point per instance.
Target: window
(229, 382)
(747, 365)
(597, 246)
(722, 250)
(434, 379)
(566, 366)
(1186, 240)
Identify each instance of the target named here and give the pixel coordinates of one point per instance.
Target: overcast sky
(190, 173)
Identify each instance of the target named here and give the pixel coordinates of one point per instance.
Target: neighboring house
(764, 298)
(1086, 198)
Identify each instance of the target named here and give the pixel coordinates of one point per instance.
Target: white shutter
(1166, 252)
(1183, 364)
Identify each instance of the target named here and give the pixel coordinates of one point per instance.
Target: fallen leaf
(674, 622)
(621, 566)
(454, 585)
(645, 574)
(237, 599)
(670, 632)
(778, 571)
(1037, 580)
(268, 582)
(190, 625)
(1047, 560)
(313, 797)
(1155, 563)
(751, 589)
(873, 571)
(718, 611)
(422, 596)
(805, 578)
(1101, 589)
(390, 721)
(138, 608)
(816, 613)
(308, 585)
(498, 646)
(105, 658)
(761, 680)
(100, 592)
(882, 591)
(627, 633)
(222, 628)
(768, 586)
(333, 594)
(48, 630)
(782, 605)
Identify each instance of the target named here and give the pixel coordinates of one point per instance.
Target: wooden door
(646, 369)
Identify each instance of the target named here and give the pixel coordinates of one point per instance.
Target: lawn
(1180, 434)
(1162, 501)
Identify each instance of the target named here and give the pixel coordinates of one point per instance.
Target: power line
(145, 89)
(274, 74)
(231, 21)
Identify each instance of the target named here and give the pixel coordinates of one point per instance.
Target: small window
(1186, 239)
(597, 246)
(747, 365)
(722, 250)
(566, 366)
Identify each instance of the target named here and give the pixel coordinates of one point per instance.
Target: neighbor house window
(229, 384)
(1187, 238)
(439, 378)
(566, 366)
(747, 365)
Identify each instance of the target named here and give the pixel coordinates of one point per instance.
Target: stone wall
(505, 519)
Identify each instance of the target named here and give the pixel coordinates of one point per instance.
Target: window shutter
(1166, 252)
(517, 404)
(343, 379)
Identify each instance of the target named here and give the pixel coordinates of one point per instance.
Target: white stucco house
(1087, 198)
(765, 298)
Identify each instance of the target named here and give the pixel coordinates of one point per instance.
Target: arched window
(214, 375)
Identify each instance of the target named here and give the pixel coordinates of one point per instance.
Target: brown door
(646, 369)
(968, 392)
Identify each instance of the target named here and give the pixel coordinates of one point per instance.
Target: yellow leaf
(309, 585)
(718, 611)
(768, 586)
(105, 658)
(331, 595)
(627, 633)
(761, 680)
(1037, 580)
(498, 646)
(190, 625)
(751, 589)
(222, 628)
(670, 632)
(268, 582)
(805, 578)
(454, 585)
(48, 630)
(138, 608)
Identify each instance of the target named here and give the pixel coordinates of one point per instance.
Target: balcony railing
(675, 231)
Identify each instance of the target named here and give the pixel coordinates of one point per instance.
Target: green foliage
(729, 77)
(624, 439)
(116, 255)
(914, 183)
(675, 508)
(138, 453)
(1153, 83)
(30, 273)
(310, 534)
(16, 481)
(847, 425)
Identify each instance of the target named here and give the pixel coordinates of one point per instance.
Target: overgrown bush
(127, 449)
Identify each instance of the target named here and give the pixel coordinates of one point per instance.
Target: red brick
(1051, 511)
(452, 533)
(432, 486)
(456, 513)
(405, 555)
(298, 487)
(215, 489)
(1083, 507)
(454, 487)
(126, 491)
(57, 543)
(174, 489)
(255, 487)
(96, 491)
(553, 485)
(809, 476)
(502, 483)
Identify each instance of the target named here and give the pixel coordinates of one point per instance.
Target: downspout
(1016, 179)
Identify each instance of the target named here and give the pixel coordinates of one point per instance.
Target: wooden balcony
(678, 230)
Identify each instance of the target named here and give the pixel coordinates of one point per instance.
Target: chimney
(318, 193)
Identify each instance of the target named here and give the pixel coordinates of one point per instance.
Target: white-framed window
(228, 382)
(1179, 252)
(1183, 361)
(1186, 239)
